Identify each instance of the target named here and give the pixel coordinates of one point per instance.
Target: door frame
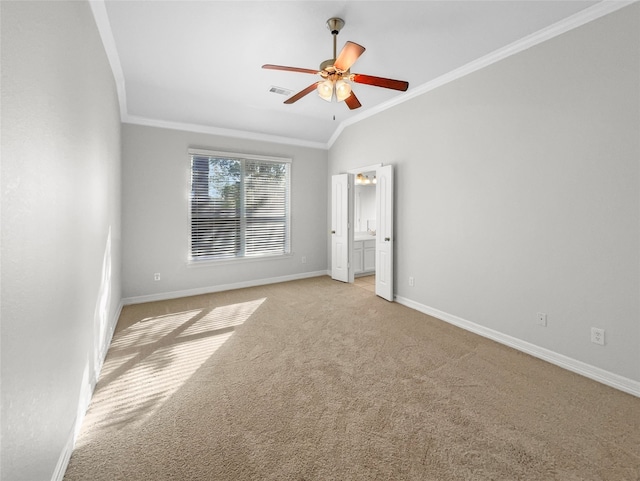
(366, 168)
(351, 214)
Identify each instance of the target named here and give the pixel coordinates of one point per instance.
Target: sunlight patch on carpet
(152, 359)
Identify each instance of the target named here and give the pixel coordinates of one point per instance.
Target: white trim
(107, 343)
(195, 263)
(99, 10)
(367, 168)
(163, 296)
(240, 134)
(600, 375)
(65, 455)
(235, 155)
(583, 17)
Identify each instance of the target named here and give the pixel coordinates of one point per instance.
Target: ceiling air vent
(280, 90)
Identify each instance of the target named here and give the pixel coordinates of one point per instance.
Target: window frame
(203, 261)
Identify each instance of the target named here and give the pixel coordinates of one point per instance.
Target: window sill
(235, 260)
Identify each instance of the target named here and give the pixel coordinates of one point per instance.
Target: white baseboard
(163, 296)
(111, 329)
(84, 401)
(65, 456)
(605, 377)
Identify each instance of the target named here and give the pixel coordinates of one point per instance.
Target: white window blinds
(239, 205)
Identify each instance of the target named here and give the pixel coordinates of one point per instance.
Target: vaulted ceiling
(197, 64)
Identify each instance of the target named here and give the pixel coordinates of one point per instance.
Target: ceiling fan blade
(352, 101)
(348, 55)
(380, 82)
(302, 93)
(289, 69)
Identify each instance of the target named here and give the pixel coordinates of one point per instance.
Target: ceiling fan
(336, 73)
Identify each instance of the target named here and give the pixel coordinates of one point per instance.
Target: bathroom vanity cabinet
(364, 255)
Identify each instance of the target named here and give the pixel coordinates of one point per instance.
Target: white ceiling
(197, 64)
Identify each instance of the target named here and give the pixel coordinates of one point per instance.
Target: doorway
(366, 282)
(364, 224)
(362, 227)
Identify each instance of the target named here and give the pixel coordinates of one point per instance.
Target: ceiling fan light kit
(336, 71)
(343, 90)
(325, 90)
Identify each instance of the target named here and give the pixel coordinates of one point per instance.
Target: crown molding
(239, 134)
(583, 17)
(99, 10)
(587, 15)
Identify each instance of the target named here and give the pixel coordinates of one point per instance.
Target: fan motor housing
(327, 63)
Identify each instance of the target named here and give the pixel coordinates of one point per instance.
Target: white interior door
(384, 232)
(340, 236)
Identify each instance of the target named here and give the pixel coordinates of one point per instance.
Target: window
(239, 205)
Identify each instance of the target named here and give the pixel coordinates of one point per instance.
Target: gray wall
(60, 227)
(517, 192)
(156, 214)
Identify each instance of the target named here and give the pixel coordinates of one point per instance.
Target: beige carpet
(318, 380)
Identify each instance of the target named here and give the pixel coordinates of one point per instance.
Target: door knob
(333, 232)
(387, 239)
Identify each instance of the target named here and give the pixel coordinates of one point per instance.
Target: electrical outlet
(542, 319)
(411, 281)
(156, 276)
(304, 259)
(597, 336)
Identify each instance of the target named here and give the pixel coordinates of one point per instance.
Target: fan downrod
(334, 25)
